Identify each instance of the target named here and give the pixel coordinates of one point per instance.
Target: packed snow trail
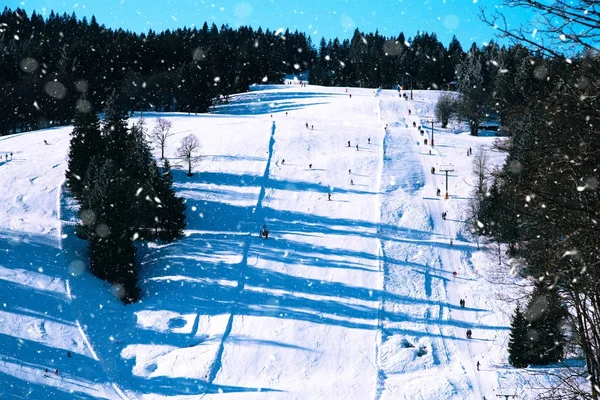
(311, 297)
(415, 329)
(453, 260)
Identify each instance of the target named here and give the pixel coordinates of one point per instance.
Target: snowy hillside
(349, 298)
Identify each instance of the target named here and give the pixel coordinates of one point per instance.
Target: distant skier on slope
(264, 232)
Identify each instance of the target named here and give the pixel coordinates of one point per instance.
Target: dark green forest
(48, 64)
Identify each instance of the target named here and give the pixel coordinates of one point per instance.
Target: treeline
(123, 195)
(46, 65)
(543, 205)
(494, 82)
(373, 60)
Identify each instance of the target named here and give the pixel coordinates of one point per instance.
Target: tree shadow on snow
(216, 271)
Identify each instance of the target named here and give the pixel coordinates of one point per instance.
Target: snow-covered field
(349, 298)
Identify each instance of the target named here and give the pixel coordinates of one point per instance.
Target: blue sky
(318, 18)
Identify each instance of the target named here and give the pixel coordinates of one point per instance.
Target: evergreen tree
(546, 317)
(518, 344)
(474, 101)
(109, 230)
(86, 142)
(170, 212)
(113, 259)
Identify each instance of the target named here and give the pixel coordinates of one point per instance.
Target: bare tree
(190, 146)
(480, 169)
(445, 108)
(161, 133)
(562, 26)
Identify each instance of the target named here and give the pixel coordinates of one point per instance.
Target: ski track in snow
(258, 218)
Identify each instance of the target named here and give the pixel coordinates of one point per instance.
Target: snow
(348, 298)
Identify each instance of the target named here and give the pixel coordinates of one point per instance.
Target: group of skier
(6, 156)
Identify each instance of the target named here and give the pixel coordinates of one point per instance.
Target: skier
(454, 274)
(469, 333)
(356, 147)
(69, 354)
(351, 182)
(306, 125)
(309, 166)
(409, 111)
(312, 127)
(451, 242)
(467, 153)
(369, 140)
(414, 124)
(348, 143)
(478, 364)
(328, 196)
(283, 161)
(438, 190)
(349, 171)
(286, 113)
(45, 142)
(432, 168)
(264, 232)
(350, 95)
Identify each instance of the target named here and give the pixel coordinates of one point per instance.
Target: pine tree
(518, 344)
(113, 258)
(115, 130)
(170, 216)
(546, 317)
(86, 142)
(474, 102)
(108, 217)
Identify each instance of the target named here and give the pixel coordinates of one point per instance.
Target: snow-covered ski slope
(348, 298)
